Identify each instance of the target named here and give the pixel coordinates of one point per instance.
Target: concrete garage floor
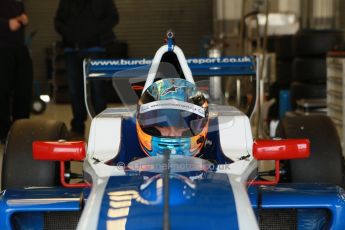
(60, 112)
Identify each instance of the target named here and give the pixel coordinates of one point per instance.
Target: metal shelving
(336, 91)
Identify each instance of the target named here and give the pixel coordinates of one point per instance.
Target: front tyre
(326, 162)
(19, 168)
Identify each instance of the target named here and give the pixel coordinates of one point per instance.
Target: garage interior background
(194, 22)
(142, 25)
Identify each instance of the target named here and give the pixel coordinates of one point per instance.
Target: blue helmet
(172, 114)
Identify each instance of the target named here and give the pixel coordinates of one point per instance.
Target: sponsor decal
(172, 104)
(197, 61)
(172, 89)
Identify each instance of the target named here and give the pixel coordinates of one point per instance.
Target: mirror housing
(285, 149)
(59, 150)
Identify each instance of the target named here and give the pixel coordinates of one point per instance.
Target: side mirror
(281, 149)
(59, 151)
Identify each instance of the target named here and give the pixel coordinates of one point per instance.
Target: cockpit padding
(130, 148)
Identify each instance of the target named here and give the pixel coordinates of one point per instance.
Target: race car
(174, 160)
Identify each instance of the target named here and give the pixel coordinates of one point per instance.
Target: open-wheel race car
(175, 160)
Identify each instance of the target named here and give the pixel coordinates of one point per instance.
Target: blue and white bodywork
(129, 189)
(207, 191)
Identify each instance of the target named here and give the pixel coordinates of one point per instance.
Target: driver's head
(171, 131)
(172, 114)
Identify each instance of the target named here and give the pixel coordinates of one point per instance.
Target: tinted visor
(191, 122)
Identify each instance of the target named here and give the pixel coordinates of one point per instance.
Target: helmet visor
(172, 114)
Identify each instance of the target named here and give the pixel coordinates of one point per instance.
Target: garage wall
(143, 24)
(41, 15)
(341, 15)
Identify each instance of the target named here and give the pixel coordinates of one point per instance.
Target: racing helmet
(172, 114)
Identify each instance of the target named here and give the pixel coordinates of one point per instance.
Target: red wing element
(281, 149)
(59, 151)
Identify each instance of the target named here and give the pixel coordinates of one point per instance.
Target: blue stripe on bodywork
(208, 205)
(35, 200)
(314, 202)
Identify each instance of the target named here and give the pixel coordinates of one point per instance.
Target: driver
(172, 114)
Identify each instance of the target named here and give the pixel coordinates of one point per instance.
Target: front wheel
(326, 162)
(19, 168)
